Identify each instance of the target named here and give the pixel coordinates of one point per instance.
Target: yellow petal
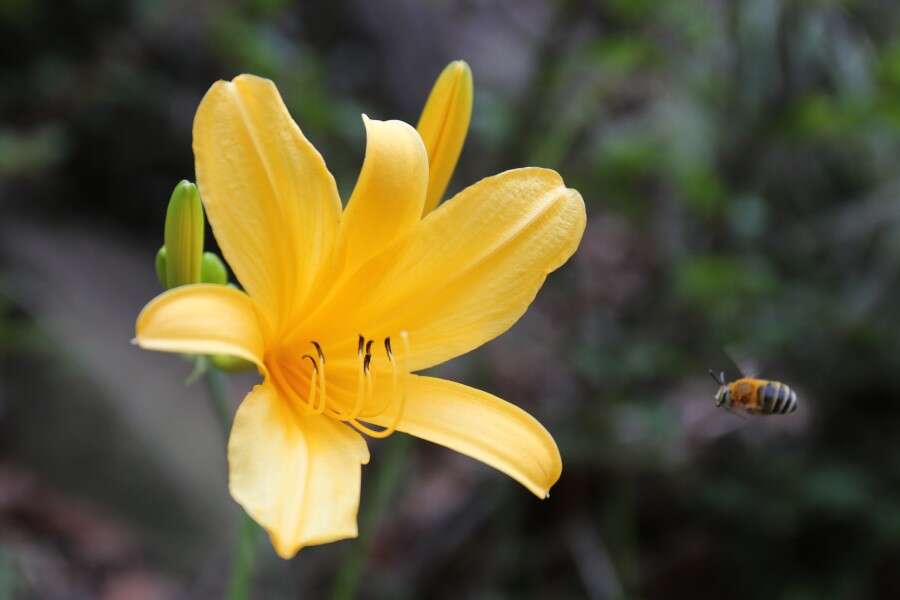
(202, 319)
(297, 477)
(443, 126)
(390, 192)
(466, 273)
(272, 204)
(482, 426)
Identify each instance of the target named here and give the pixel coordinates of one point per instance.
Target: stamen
(321, 371)
(296, 371)
(319, 351)
(392, 427)
(316, 400)
(370, 376)
(316, 410)
(362, 376)
(390, 357)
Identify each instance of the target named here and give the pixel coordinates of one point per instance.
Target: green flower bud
(231, 364)
(161, 265)
(184, 236)
(212, 269)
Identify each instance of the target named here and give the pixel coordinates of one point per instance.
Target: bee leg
(736, 413)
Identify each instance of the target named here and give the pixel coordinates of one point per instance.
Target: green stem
(217, 386)
(390, 473)
(242, 570)
(242, 573)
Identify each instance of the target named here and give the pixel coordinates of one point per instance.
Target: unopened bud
(231, 364)
(184, 236)
(212, 269)
(161, 265)
(443, 127)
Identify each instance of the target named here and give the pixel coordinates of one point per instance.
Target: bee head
(722, 393)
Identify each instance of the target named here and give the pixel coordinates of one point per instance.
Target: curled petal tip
(462, 68)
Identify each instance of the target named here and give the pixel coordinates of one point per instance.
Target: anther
(319, 351)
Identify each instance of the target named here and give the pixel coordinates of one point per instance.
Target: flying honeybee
(755, 396)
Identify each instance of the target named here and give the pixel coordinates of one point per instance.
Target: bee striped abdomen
(777, 398)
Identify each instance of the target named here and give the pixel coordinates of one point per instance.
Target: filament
(360, 380)
(316, 410)
(370, 380)
(297, 402)
(383, 406)
(323, 400)
(390, 357)
(321, 371)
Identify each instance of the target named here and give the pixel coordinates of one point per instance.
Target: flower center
(338, 401)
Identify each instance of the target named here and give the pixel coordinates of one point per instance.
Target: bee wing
(742, 360)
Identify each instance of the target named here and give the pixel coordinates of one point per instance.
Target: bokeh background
(740, 162)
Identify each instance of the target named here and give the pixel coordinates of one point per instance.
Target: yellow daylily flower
(342, 306)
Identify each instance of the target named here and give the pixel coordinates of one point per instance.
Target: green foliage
(721, 288)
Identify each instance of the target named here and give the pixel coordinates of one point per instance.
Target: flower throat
(316, 401)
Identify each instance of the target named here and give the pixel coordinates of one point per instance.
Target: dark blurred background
(740, 162)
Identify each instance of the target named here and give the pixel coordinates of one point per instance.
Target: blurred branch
(592, 560)
(529, 123)
(216, 385)
(390, 474)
